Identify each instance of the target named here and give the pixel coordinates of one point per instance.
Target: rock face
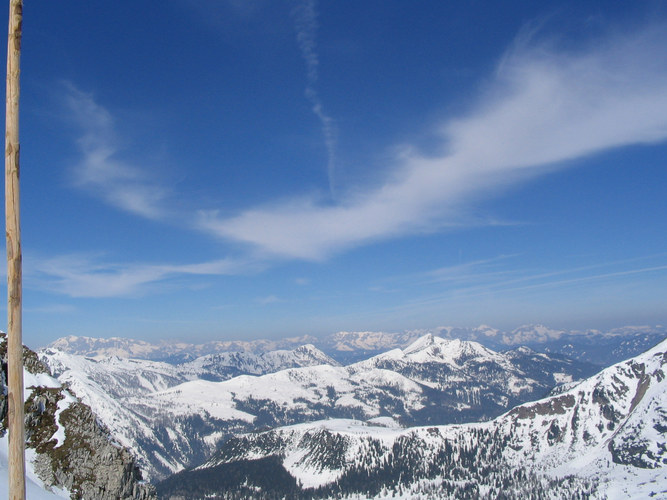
(87, 464)
(71, 449)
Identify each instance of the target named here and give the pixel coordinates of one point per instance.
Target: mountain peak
(312, 355)
(430, 348)
(423, 342)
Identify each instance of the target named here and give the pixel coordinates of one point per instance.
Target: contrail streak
(305, 22)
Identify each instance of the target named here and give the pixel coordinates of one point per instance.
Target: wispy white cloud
(542, 108)
(495, 286)
(88, 276)
(465, 272)
(305, 21)
(580, 279)
(491, 278)
(100, 169)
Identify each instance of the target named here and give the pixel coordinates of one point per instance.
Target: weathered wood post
(14, 267)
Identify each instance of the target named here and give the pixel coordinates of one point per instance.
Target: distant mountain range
(174, 415)
(168, 351)
(593, 346)
(604, 437)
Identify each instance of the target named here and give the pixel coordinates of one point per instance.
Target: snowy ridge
(223, 366)
(295, 391)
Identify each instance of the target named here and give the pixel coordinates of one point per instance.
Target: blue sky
(215, 169)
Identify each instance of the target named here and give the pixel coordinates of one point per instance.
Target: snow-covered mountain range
(594, 346)
(174, 415)
(604, 437)
(168, 351)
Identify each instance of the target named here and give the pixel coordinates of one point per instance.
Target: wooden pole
(14, 267)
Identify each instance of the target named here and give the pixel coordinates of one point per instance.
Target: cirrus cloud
(83, 275)
(542, 108)
(100, 170)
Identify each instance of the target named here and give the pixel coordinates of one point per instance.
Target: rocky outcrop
(73, 451)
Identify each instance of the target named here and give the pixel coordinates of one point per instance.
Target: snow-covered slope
(164, 435)
(296, 394)
(35, 489)
(605, 437)
(223, 366)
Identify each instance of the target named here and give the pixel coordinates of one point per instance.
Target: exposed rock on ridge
(72, 451)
